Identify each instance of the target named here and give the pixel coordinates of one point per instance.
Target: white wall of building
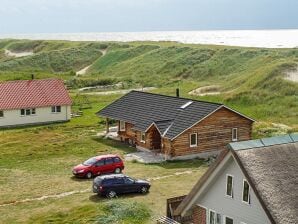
(215, 198)
(43, 115)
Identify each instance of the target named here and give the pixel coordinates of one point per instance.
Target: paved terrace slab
(145, 157)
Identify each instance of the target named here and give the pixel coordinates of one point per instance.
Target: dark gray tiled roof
(163, 125)
(142, 109)
(273, 169)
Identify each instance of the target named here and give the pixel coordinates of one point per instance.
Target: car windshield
(97, 181)
(89, 162)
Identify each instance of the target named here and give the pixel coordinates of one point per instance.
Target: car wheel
(144, 190)
(89, 175)
(117, 170)
(111, 194)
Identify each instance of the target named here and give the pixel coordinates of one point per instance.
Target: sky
(74, 16)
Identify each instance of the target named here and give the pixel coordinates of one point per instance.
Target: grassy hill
(251, 80)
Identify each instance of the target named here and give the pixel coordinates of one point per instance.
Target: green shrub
(124, 212)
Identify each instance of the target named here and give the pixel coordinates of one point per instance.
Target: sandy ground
(18, 54)
(122, 91)
(292, 75)
(84, 70)
(205, 90)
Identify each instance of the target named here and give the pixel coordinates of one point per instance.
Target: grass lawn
(37, 161)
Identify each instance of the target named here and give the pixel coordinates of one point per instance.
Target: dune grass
(37, 161)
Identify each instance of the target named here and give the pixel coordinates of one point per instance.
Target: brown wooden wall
(148, 137)
(135, 136)
(128, 133)
(214, 133)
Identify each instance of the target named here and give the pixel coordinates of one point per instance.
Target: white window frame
(120, 126)
(143, 134)
(236, 132)
(2, 114)
(215, 216)
(25, 113)
(33, 109)
(246, 202)
(55, 109)
(229, 218)
(232, 191)
(195, 145)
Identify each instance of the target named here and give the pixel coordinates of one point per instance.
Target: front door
(156, 139)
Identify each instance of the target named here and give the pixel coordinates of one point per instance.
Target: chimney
(177, 92)
(32, 76)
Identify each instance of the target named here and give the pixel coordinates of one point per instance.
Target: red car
(99, 165)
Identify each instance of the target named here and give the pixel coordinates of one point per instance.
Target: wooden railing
(172, 204)
(166, 220)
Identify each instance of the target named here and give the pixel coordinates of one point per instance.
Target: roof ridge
(26, 80)
(184, 98)
(164, 120)
(233, 145)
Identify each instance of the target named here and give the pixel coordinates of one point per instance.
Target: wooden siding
(167, 146)
(149, 138)
(214, 133)
(128, 135)
(134, 137)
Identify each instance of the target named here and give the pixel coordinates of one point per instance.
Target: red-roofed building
(33, 101)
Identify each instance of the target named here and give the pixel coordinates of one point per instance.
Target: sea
(285, 38)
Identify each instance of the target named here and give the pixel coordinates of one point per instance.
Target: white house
(27, 102)
(253, 182)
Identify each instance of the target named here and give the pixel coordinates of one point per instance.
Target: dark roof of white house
(273, 171)
(171, 115)
(271, 168)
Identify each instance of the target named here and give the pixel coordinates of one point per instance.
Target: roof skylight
(186, 105)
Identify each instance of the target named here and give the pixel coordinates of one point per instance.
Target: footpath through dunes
(292, 75)
(18, 54)
(206, 90)
(85, 69)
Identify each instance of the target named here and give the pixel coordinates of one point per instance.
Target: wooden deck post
(107, 126)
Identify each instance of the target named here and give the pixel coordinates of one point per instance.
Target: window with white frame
(1, 113)
(211, 217)
(235, 134)
(229, 186)
(28, 112)
(218, 218)
(214, 218)
(228, 220)
(143, 137)
(193, 140)
(56, 109)
(122, 126)
(245, 192)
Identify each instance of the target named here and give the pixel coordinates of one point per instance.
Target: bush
(124, 212)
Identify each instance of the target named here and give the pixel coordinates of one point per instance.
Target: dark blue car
(112, 185)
